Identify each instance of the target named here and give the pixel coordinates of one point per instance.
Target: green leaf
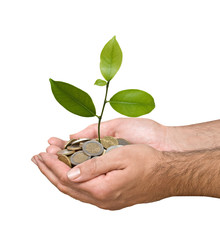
(73, 99)
(100, 82)
(111, 59)
(132, 102)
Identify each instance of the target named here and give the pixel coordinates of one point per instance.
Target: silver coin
(122, 141)
(113, 147)
(65, 152)
(79, 157)
(92, 148)
(78, 141)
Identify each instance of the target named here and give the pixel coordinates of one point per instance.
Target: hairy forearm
(194, 137)
(193, 173)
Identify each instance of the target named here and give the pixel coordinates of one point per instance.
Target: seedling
(130, 102)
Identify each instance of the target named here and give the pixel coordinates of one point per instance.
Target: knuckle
(63, 180)
(93, 166)
(51, 140)
(42, 154)
(103, 206)
(48, 149)
(107, 206)
(101, 194)
(62, 188)
(113, 208)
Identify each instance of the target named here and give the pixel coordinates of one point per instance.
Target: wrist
(176, 139)
(192, 173)
(170, 139)
(184, 138)
(193, 137)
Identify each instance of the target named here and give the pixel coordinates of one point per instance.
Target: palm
(139, 130)
(134, 130)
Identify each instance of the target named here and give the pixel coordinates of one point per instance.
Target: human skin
(146, 131)
(137, 173)
(141, 130)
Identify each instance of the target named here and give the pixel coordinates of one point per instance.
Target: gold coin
(78, 157)
(69, 142)
(92, 148)
(64, 159)
(73, 147)
(65, 152)
(109, 141)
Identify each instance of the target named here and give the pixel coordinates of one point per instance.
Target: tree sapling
(130, 102)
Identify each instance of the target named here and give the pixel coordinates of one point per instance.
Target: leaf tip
(100, 82)
(114, 39)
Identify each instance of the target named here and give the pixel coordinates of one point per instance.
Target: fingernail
(73, 174)
(40, 158)
(33, 160)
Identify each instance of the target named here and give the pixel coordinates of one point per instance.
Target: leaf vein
(135, 103)
(78, 102)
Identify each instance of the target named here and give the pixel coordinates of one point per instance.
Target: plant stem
(103, 107)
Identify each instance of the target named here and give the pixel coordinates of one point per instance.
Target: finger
(107, 129)
(42, 167)
(89, 132)
(97, 166)
(53, 149)
(57, 175)
(58, 168)
(79, 195)
(54, 167)
(57, 141)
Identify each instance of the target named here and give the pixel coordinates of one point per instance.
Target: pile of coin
(77, 151)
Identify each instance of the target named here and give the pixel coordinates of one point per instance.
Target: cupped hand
(135, 130)
(123, 177)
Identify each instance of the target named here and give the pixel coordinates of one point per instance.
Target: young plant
(130, 102)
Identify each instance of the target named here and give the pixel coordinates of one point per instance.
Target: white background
(171, 49)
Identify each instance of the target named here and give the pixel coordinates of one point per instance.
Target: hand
(138, 173)
(135, 130)
(123, 177)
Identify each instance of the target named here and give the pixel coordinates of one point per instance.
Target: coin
(112, 147)
(69, 142)
(92, 148)
(74, 147)
(79, 157)
(64, 159)
(78, 141)
(77, 151)
(122, 141)
(104, 152)
(65, 152)
(109, 141)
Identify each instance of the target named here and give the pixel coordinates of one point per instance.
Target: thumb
(107, 129)
(95, 167)
(89, 132)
